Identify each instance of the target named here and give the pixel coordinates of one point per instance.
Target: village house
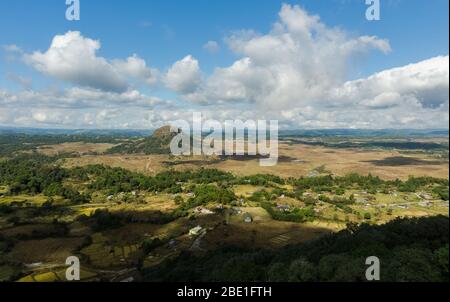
(248, 218)
(203, 211)
(283, 207)
(195, 231)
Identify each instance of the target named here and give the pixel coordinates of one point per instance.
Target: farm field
(295, 161)
(78, 148)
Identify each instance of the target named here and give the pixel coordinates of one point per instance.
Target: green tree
(302, 270)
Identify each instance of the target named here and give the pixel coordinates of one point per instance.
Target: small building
(203, 211)
(283, 207)
(195, 231)
(248, 218)
(33, 265)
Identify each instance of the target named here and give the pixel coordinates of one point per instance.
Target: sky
(309, 64)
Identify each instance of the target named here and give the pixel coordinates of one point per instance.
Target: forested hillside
(408, 249)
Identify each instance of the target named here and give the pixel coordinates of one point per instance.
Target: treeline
(401, 145)
(30, 174)
(372, 184)
(261, 180)
(293, 215)
(35, 174)
(11, 143)
(116, 180)
(413, 249)
(202, 195)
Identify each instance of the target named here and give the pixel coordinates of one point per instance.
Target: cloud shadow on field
(403, 161)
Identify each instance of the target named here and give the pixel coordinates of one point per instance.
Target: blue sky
(164, 32)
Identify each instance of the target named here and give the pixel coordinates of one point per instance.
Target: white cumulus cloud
(212, 47)
(184, 76)
(295, 63)
(73, 58)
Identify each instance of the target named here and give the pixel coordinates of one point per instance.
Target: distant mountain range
(368, 132)
(97, 132)
(282, 133)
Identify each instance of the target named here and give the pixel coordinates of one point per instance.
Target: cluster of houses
(121, 196)
(283, 208)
